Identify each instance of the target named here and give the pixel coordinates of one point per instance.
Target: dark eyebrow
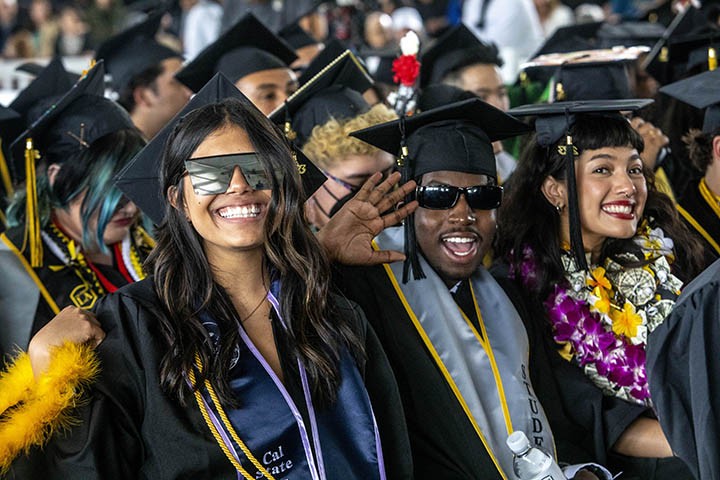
(267, 86)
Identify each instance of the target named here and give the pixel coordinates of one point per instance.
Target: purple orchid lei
(605, 315)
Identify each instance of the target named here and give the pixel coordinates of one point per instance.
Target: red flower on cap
(406, 69)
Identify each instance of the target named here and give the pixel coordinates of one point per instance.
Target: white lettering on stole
(537, 428)
(275, 463)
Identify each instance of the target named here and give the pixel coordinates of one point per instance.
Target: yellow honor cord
(32, 238)
(228, 426)
(5, 174)
(712, 59)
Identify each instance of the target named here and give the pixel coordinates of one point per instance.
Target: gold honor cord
(228, 426)
(5, 174)
(46, 295)
(441, 366)
(711, 199)
(32, 238)
(485, 343)
(696, 225)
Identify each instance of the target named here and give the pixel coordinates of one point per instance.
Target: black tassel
(576, 243)
(412, 261)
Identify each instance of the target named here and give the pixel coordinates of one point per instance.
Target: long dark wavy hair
(185, 284)
(527, 219)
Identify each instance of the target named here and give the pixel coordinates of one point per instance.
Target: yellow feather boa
(31, 411)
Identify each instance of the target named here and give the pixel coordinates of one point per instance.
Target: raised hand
(348, 236)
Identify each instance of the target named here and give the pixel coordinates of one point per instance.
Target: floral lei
(603, 317)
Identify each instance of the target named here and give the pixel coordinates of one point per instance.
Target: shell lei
(605, 315)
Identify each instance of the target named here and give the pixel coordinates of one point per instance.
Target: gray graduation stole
(487, 369)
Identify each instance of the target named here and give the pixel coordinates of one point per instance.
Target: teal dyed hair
(91, 171)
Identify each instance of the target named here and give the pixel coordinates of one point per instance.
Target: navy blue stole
(267, 434)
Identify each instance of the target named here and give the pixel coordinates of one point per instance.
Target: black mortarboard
(140, 179)
(439, 95)
(333, 49)
(51, 81)
(295, 36)
(656, 63)
(133, 51)
(588, 74)
(7, 116)
(35, 69)
(700, 91)
(553, 122)
(456, 137)
(65, 130)
(629, 34)
(455, 49)
(247, 47)
(76, 120)
(570, 38)
(335, 92)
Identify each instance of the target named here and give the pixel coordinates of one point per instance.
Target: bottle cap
(518, 442)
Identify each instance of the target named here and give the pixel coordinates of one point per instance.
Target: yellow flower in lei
(597, 279)
(601, 301)
(626, 321)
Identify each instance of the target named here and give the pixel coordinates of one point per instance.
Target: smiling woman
(601, 253)
(235, 346)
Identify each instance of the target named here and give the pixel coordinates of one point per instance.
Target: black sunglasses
(212, 175)
(444, 197)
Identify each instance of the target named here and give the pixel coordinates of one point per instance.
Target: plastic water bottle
(532, 463)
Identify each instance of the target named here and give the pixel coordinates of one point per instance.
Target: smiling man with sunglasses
(455, 339)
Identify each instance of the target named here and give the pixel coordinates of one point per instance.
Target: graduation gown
(132, 429)
(31, 297)
(682, 359)
(445, 444)
(585, 422)
(703, 219)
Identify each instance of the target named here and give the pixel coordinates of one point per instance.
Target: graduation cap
(656, 63)
(554, 121)
(701, 91)
(133, 51)
(683, 54)
(628, 34)
(51, 81)
(456, 137)
(600, 74)
(456, 49)
(140, 179)
(570, 38)
(79, 118)
(247, 47)
(295, 36)
(335, 92)
(333, 49)
(438, 95)
(7, 115)
(35, 69)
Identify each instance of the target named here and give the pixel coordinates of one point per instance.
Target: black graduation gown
(21, 299)
(131, 429)
(695, 206)
(585, 422)
(684, 375)
(444, 443)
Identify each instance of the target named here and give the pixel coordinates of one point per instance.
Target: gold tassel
(5, 174)
(712, 59)
(559, 92)
(32, 239)
(49, 404)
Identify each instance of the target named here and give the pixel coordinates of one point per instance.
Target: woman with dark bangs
(75, 237)
(602, 254)
(234, 360)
